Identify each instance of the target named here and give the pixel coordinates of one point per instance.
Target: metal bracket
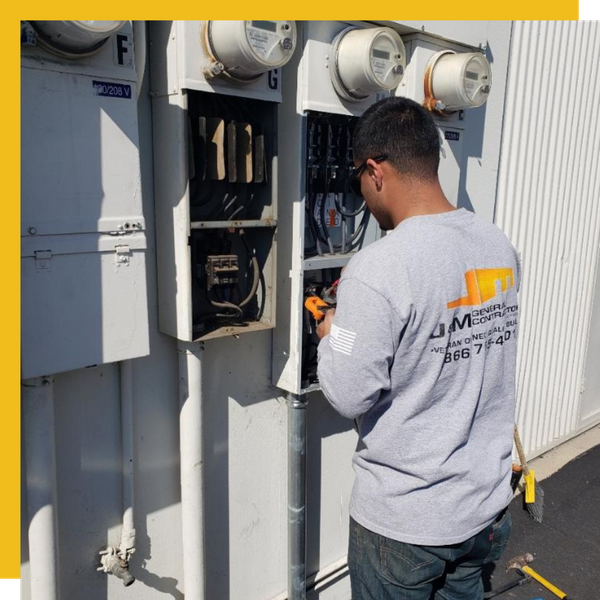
(122, 253)
(42, 259)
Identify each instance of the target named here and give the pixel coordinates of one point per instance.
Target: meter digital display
(266, 25)
(367, 61)
(381, 54)
(244, 50)
(455, 81)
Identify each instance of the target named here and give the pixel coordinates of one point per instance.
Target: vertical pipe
(297, 496)
(127, 546)
(38, 428)
(192, 469)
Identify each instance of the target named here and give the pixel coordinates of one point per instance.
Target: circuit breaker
(215, 89)
(343, 69)
(83, 241)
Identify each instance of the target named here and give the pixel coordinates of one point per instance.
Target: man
(421, 352)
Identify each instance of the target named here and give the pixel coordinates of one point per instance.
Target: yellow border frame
(9, 242)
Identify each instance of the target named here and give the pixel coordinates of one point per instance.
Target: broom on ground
(534, 494)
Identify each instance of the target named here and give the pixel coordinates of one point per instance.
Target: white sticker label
(262, 41)
(332, 216)
(380, 67)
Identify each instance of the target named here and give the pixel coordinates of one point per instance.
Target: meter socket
(367, 61)
(73, 39)
(244, 50)
(457, 81)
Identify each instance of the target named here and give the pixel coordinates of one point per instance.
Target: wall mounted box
(183, 102)
(83, 275)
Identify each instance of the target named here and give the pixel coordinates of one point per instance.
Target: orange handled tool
(317, 307)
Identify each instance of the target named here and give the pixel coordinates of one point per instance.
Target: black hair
(403, 130)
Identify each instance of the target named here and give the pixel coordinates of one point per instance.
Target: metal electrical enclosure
(321, 222)
(83, 272)
(317, 239)
(216, 169)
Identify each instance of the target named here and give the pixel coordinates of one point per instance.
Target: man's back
(423, 351)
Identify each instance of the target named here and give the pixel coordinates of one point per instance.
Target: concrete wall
(245, 432)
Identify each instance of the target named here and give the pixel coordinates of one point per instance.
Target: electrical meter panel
(83, 242)
(348, 66)
(444, 76)
(447, 78)
(233, 58)
(216, 152)
(323, 221)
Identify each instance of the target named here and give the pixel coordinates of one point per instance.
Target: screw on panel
(214, 69)
(32, 231)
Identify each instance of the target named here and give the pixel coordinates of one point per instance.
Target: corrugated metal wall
(548, 204)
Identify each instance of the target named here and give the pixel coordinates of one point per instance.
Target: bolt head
(32, 231)
(217, 68)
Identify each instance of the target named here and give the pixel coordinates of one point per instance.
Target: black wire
(343, 211)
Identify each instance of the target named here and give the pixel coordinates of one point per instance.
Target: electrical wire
(343, 211)
(255, 269)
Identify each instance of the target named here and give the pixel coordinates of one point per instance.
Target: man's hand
(325, 325)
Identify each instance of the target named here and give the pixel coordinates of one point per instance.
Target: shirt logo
(341, 340)
(481, 286)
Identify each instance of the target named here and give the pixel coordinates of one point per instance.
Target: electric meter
(75, 38)
(456, 81)
(244, 50)
(367, 61)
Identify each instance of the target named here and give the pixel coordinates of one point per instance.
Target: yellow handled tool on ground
(521, 564)
(549, 586)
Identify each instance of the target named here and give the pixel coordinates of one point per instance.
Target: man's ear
(375, 172)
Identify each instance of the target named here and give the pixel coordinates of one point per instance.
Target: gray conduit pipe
(296, 405)
(127, 545)
(40, 460)
(192, 469)
(116, 560)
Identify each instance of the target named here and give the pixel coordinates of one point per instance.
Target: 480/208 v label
(112, 90)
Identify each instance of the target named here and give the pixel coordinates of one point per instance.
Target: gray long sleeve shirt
(422, 351)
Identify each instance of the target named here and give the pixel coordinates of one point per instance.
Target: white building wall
(548, 204)
(245, 432)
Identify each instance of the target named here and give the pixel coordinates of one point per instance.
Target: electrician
(432, 388)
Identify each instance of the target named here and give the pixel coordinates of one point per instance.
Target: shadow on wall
(473, 144)
(322, 422)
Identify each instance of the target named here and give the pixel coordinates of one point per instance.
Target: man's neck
(425, 199)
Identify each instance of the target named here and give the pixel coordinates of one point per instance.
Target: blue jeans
(384, 569)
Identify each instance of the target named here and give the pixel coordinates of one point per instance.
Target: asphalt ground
(566, 545)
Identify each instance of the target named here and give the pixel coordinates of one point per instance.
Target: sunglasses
(357, 172)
